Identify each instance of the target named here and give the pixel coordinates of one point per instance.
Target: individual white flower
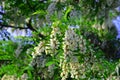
(24, 76)
(47, 50)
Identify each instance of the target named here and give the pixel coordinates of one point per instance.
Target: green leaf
(67, 12)
(41, 12)
(50, 63)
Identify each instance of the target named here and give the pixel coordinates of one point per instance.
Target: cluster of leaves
(10, 63)
(9, 47)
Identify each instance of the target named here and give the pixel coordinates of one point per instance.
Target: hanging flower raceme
(39, 61)
(54, 42)
(44, 48)
(70, 64)
(74, 45)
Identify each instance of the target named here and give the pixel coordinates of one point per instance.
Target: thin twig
(4, 25)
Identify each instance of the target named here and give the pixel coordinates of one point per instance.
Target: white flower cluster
(70, 41)
(39, 61)
(52, 47)
(97, 26)
(70, 63)
(51, 10)
(54, 43)
(13, 77)
(65, 69)
(75, 14)
(100, 27)
(39, 49)
(9, 77)
(49, 47)
(75, 68)
(74, 45)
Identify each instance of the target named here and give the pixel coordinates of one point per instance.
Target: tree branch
(29, 25)
(9, 26)
(1, 13)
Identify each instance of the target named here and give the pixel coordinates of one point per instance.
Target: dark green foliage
(6, 50)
